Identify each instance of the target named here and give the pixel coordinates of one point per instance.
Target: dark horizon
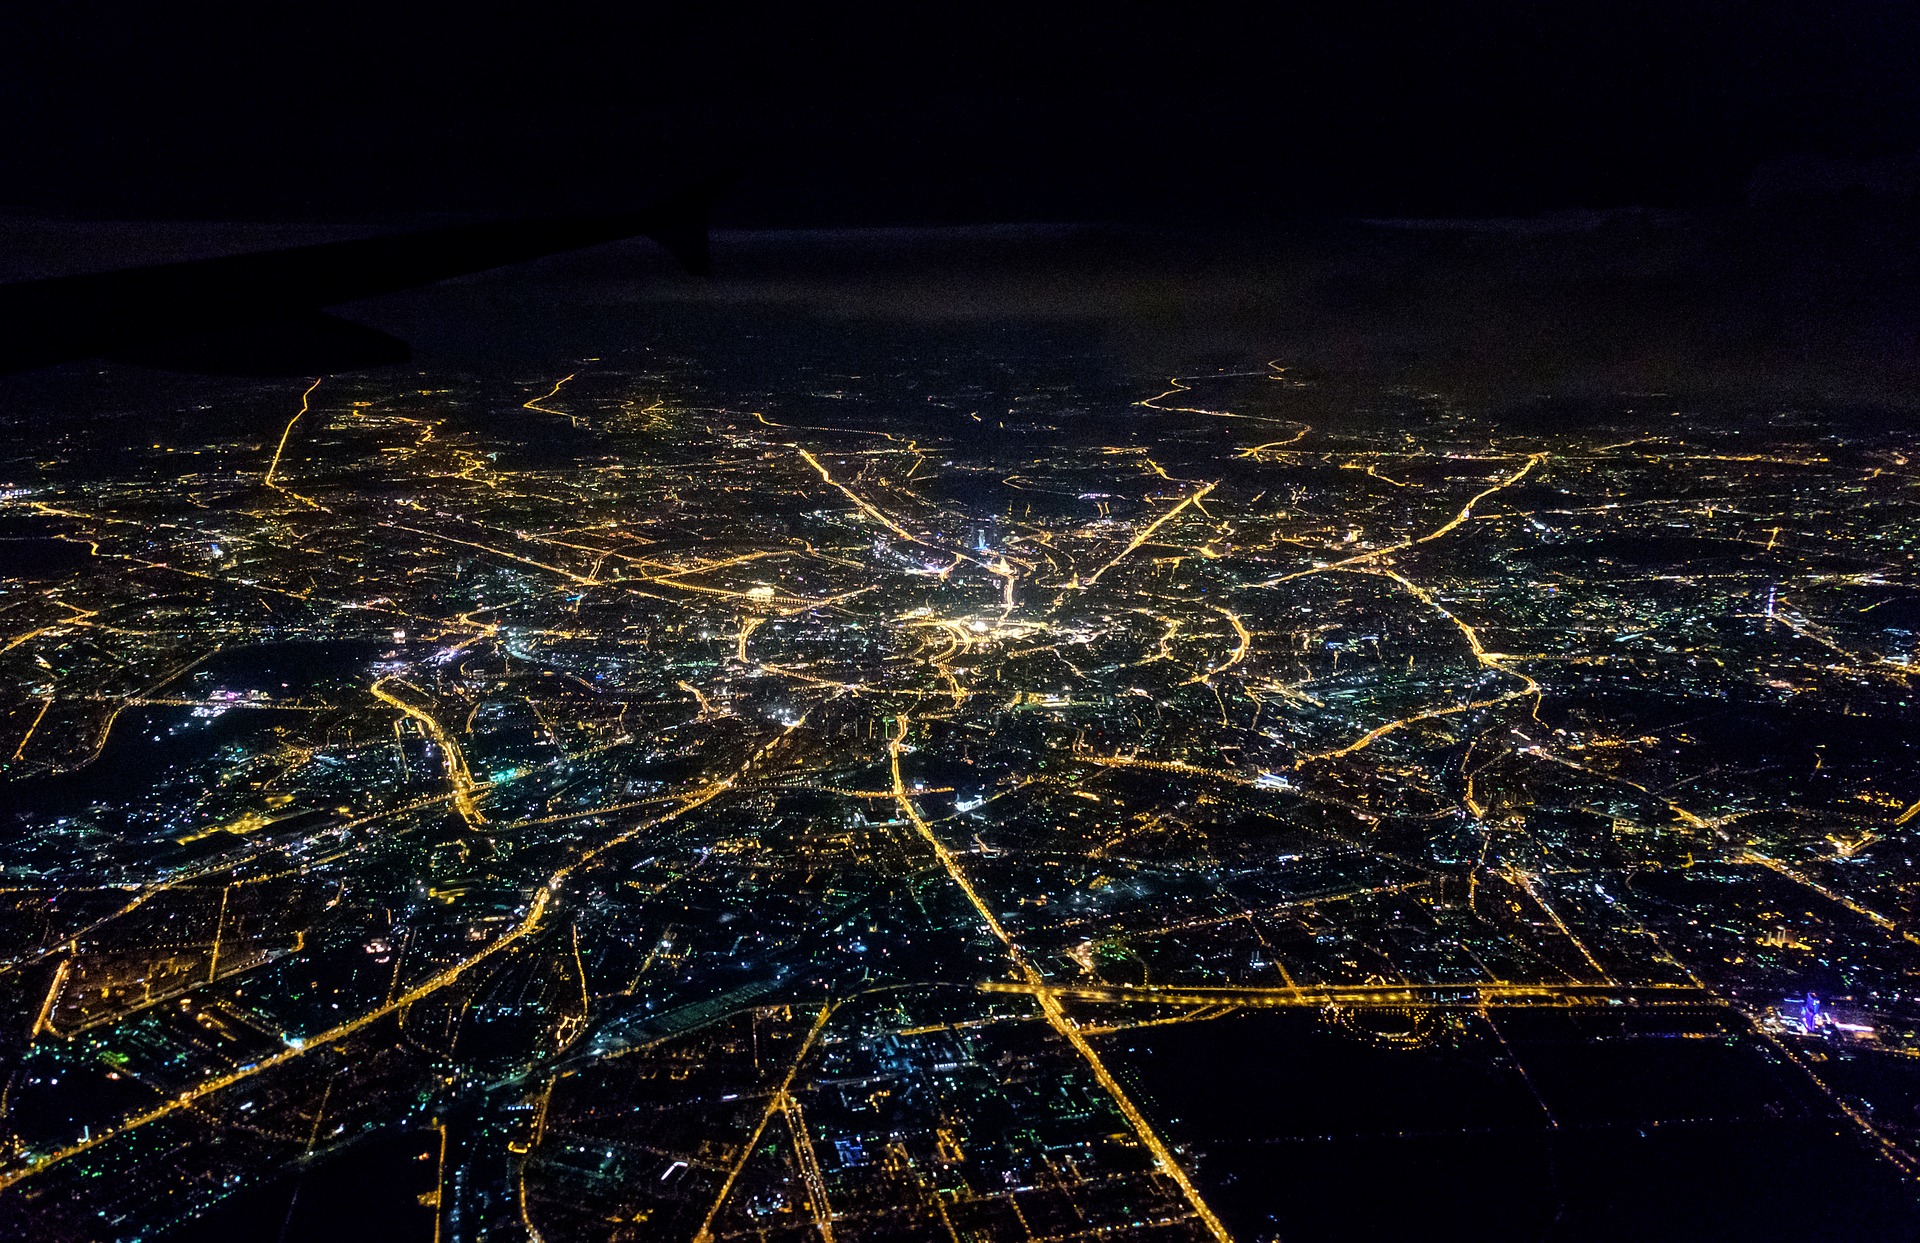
(1380, 109)
(1188, 629)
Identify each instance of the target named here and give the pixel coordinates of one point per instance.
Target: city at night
(769, 704)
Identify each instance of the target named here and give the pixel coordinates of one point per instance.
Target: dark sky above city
(844, 115)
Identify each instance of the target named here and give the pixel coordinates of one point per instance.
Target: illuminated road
(208, 1087)
(1049, 1006)
(776, 1103)
(1452, 524)
(1468, 996)
(454, 760)
(1168, 692)
(274, 466)
(1146, 533)
(528, 923)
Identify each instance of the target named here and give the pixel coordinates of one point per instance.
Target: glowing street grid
(799, 820)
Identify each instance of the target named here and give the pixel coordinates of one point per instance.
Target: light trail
(1468, 995)
(959, 639)
(282, 448)
(775, 1104)
(1180, 386)
(1145, 534)
(795, 604)
(1233, 658)
(809, 1166)
(79, 618)
(1166, 640)
(606, 809)
(439, 1180)
(1373, 471)
(1049, 1005)
(1381, 731)
(1513, 1057)
(1497, 661)
(219, 933)
(1868, 913)
(207, 1087)
(1466, 512)
(1794, 620)
(46, 701)
(586, 999)
(748, 624)
(1530, 883)
(43, 1019)
(859, 502)
(562, 571)
(1166, 766)
(451, 757)
(537, 909)
(1255, 451)
(549, 395)
(844, 792)
(706, 707)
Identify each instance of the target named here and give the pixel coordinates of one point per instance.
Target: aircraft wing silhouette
(262, 313)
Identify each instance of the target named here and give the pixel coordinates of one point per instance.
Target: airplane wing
(263, 313)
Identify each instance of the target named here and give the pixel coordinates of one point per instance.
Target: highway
(1049, 1006)
(542, 899)
(1471, 996)
(458, 778)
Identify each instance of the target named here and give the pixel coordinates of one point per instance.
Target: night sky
(936, 114)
